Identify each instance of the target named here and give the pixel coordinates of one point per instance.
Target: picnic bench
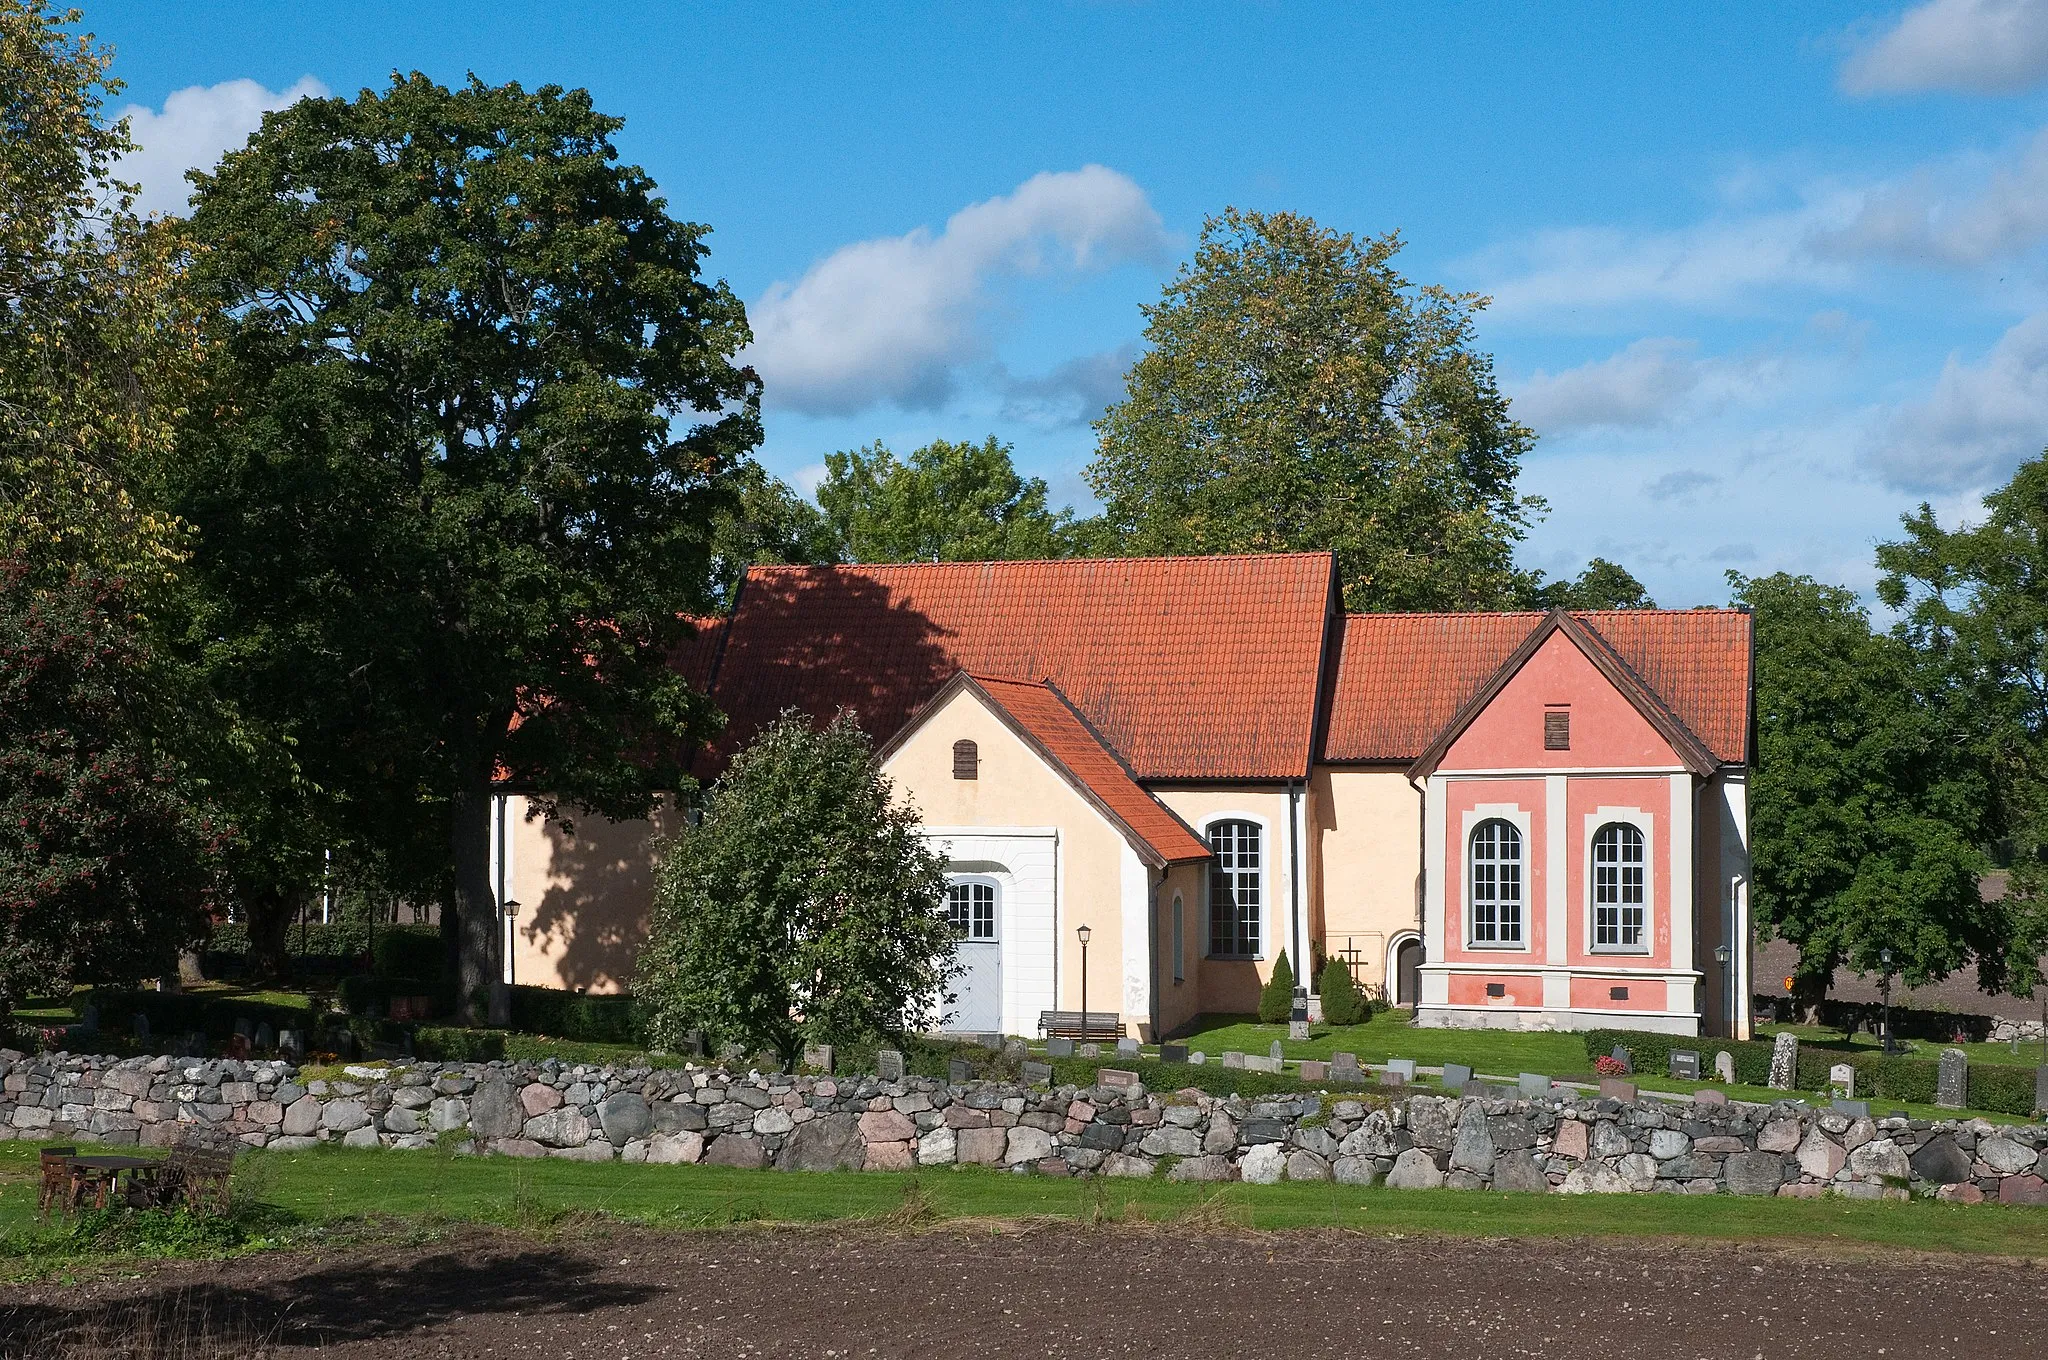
(199, 1171)
(1084, 1026)
(197, 1174)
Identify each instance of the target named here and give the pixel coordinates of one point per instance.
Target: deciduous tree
(946, 502)
(803, 906)
(1602, 585)
(1298, 392)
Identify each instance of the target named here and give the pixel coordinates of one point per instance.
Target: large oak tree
(459, 459)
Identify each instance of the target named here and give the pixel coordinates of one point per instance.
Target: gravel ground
(1056, 1291)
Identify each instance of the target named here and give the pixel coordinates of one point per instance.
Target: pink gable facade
(1569, 884)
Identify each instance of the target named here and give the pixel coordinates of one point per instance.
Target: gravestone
(1685, 1065)
(693, 1043)
(1197, 1058)
(1254, 1063)
(1533, 1085)
(1855, 1109)
(89, 1019)
(1233, 1059)
(2041, 1090)
(1952, 1079)
(1173, 1053)
(1276, 1051)
(1059, 1048)
(1297, 1030)
(888, 1064)
(1392, 1078)
(1040, 1074)
(245, 1028)
(1127, 1047)
(1311, 1070)
(1724, 1067)
(1016, 1049)
(1404, 1068)
(959, 1072)
(1614, 1088)
(1111, 1076)
(1455, 1076)
(1709, 1097)
(1627, 1061)
(1344, 1067)
(818, 1057)
(1088, 1051)
(989, 1040)
(1842, 1082)
(1784, 1063)
(140, 1026)
(291, 1043)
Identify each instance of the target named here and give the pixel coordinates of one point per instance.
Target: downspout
(1152, 954)
(1421, 880)
(1302, 969)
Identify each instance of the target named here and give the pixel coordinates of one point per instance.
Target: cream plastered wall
(1230, 986)
(1368, 864)
(583, 898)
(1015, 787)
(1180, 999)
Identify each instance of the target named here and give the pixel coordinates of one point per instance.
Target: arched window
(1618, 900)
(1234, 880)
(1496, 860)
(966, 760)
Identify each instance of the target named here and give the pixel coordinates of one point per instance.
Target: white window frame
(1266, 866)
(1180, 969)
(1519, 819)
(1645, 825)
(995, 921)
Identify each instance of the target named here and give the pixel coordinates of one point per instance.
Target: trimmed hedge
(337, 946)
(577, 1015)
(2001, 1089)
(368, 994)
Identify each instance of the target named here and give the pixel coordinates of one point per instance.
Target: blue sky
(1764, 276)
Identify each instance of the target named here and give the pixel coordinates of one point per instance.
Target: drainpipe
(1152, 955)
(1301, 964)
(1421, 888)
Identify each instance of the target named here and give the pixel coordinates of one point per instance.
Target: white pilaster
(1136, 898)
(1684, 872)
(1556, 874)
(1435, 896)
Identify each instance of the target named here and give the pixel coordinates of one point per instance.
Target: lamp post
(1723, 955)
(1884, 992)
(1081, 933)
(511, 964)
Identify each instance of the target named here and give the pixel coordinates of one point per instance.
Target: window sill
(1620, 951)
(1497, 948)
(1236, 958)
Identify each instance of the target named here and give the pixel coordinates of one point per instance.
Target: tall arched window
(1234, 876)
(1618, 900)
(1496, 875)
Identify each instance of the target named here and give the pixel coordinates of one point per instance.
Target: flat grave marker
(1614, 1088)
(1040, 1074)
(1059, 1048)
(1404, 1068)
(1115, 1076)
(1173, 1053)
(889, 1064)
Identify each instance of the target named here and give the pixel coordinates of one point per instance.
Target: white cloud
(194, 128)
(1683, 486)
(1969, 212)
(1072, 393)
(1638, 386)
(894, 319)
(1979, 422)
(1974, 46)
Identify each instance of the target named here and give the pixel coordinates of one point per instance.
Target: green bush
(368, 994)
(1276, 1000)
(446, 1043)
(1343, 1003)
(335, 946)
(2008, 1090)
(410, 952)
(1651, 1053)
(578, 1015)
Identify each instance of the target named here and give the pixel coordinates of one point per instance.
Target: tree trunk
(484, 998)
(191, 971)
(270, 923)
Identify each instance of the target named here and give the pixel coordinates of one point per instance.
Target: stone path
(1070, 1291)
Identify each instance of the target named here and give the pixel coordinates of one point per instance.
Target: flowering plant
(1610, 1066)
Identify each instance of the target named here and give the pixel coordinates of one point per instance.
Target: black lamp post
(1884, 992)
(1724, 954)
(511, 964)
(1082, 933)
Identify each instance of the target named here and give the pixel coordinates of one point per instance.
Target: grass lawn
(2028, 1053)
(317, 1195)
(1389, 1035)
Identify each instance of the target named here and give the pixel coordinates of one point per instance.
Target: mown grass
(1390, 1035)
(334, 1195)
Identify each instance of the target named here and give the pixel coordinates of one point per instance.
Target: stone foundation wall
(1565, 1143)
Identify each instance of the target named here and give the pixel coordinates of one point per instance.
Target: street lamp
(511, 907)
(1723, 954)
(1082, 933)
(1884, 991)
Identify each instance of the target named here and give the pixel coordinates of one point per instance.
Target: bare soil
(1052, 1291)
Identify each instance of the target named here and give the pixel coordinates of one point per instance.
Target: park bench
(1085, 1026)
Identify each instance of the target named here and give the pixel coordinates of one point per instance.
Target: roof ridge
(1688, 611)
(1042, 561)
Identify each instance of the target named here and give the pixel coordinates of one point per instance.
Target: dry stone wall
(1563, 1143)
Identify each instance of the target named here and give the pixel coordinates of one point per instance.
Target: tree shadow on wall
(343, 1302)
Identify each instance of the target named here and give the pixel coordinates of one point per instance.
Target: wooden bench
(199, 1171)
(1085, 1026)
(59, 1181)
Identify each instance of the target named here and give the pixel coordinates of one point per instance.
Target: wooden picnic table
(100, 1174)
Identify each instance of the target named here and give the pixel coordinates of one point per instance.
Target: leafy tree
(458, 462)
(766, 524)
(1602, 585)
(96, 339)
(1867, 808)
(803, 906)
(1299, 393)
(1343, 1003)
(1276, 999)
(105, 856)
(946, 503)
(1975, 601)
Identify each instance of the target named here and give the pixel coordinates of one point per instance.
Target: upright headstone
(1784, 1073)
(1627, 1060)
(1842, 1081)
(1724, 1067)
(245, 1028)
(1344, 1067)
(1404, 1068)
(1455, 1076)
(1040, 1074)
(2041, 1090)
(291, 1043)
(1297, 1030)
(266, 1037)
(1233, 1059)
(1198, 1058)
(1275, 1051)
(89, 1019)
(818, 1057)
(889, 1064)
(1173, 1053)
(141, 1027)
(1614, 1088)
(958, 1072)
(1952, 1079)
(1059, 1048)
(1710, 1097)
(693, 1043)
(1313, 1070)
(1533, 1085)
(1855, 1109)
(1014, 1048)
(1127, 1047)
(1685, 1065)
(1088, 1051)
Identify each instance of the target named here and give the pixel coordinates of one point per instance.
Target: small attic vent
(1557, 729)
(966, 760)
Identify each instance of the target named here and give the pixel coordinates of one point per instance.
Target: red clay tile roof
(1044, 717)
(695, 656)
(1189, 668)
(1401, 677)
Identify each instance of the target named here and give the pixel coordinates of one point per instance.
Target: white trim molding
(1267, 877)
(1645, 825)
(1517, 817)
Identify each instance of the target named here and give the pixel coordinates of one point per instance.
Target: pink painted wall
(1650, 795)
(1606, 730)
(1463, 796)
(1519, 989)
(1591, 994)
